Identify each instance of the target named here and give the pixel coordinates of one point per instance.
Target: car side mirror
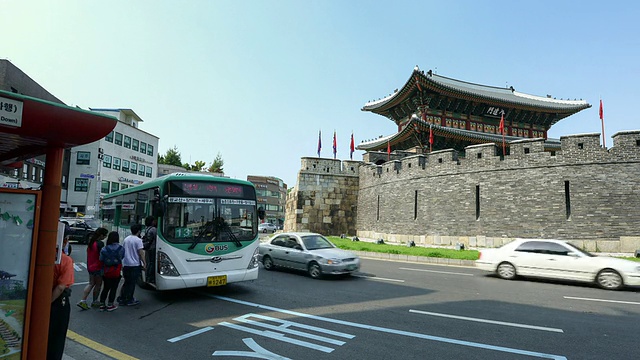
(298, 247)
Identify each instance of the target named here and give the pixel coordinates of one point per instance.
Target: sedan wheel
(315, 271)
(609, 279)
(264, 231)
(506, 271)
(268, 263)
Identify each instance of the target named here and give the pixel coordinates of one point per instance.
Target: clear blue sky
(256, 80)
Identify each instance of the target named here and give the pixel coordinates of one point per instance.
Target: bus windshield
(193, 220)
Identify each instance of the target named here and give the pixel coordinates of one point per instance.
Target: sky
(256, 81)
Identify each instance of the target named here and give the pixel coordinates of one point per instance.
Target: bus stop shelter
(30, 127)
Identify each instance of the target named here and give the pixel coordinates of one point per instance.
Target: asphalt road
(390, 310)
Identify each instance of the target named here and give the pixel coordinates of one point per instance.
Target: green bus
(207, 228)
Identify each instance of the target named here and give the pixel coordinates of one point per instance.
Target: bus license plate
(217, 280)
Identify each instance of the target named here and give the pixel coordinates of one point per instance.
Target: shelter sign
(18, 210)
(10, 112)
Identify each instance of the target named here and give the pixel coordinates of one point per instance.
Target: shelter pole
(40, 308)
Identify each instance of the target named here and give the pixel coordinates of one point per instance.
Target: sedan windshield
(315, 242)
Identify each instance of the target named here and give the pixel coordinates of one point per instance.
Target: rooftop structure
(460, 114)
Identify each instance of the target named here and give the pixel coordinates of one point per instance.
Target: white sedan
(558, 259)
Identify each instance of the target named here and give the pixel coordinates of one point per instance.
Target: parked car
(267, 227)
(81, 229)
(558, 259)
(309, 252)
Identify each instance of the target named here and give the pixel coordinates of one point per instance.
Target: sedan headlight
(333, 261)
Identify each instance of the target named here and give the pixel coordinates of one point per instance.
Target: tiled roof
(480, 92)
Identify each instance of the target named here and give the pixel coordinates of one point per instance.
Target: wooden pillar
(45, 256)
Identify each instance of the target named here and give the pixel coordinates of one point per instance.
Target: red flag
(601, 111)
(335, 145)
(604, 141)
(319, 141)
(352, 147)
(430, 138)
(388, 150)
(504, 153)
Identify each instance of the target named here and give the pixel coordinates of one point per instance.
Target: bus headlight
(165, 266)
(254, 260)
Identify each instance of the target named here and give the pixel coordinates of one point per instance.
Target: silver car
(309, 252)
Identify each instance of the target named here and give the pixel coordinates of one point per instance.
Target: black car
(82, 229)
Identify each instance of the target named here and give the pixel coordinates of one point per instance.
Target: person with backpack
(111, 256)
(94, 266)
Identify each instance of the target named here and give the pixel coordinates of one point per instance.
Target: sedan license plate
(352, 267)
(217, 280)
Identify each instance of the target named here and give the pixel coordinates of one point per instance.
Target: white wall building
(124, 158)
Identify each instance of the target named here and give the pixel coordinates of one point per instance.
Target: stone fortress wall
(582, 193)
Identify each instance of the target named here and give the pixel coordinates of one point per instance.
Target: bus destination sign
(205, 189)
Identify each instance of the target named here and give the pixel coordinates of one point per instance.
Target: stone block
(473, 241)
(608, 246)
(481, 241)
(629, 244)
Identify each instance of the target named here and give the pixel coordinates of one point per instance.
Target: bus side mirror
(261, 213)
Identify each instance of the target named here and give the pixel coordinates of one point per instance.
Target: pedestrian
(111, 256)
(132, 265)
(60, 304)
(149, 242)
(94, 266)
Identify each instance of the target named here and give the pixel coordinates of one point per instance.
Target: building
(126, 157)
(463, 187)
(434, 112)
(271, 193)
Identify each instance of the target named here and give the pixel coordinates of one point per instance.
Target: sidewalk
(76, 351)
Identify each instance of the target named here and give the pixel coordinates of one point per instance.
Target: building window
(149, 174)
(33, 173)
(118, 140)
(567, 199)
(124, 186)
(141, 170)
(127, 142)
(116, 163)
(143, 147)
(81, 185)
(41, 175)
(106, 161)
(150, 150)
(125, 165)
(134, 167)
(135, 145)
(25, 171)
(105, 187)
(109, 138)
(115, 186)
(83, 158)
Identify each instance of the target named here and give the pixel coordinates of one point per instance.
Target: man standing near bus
(132, 265)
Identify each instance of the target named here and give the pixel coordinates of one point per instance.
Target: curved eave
(48, 124)
(474, 92)
(380, 144)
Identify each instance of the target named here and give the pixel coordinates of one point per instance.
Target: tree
(216, 165)
(198, 165)
(171, 157)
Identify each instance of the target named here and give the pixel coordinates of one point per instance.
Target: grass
(347, 244)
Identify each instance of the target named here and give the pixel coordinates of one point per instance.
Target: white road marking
(602, 300)
(188, 335)
(377, 278)
(488, 321)
(434, 271)
(78, 266)
(80, 283)
(391, 331)
(277, 336)
(259, 352)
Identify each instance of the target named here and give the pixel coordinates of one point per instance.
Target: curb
(415, 259)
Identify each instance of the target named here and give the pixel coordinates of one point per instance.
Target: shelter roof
(46, 123)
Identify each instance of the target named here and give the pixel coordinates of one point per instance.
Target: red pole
(45, 256)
